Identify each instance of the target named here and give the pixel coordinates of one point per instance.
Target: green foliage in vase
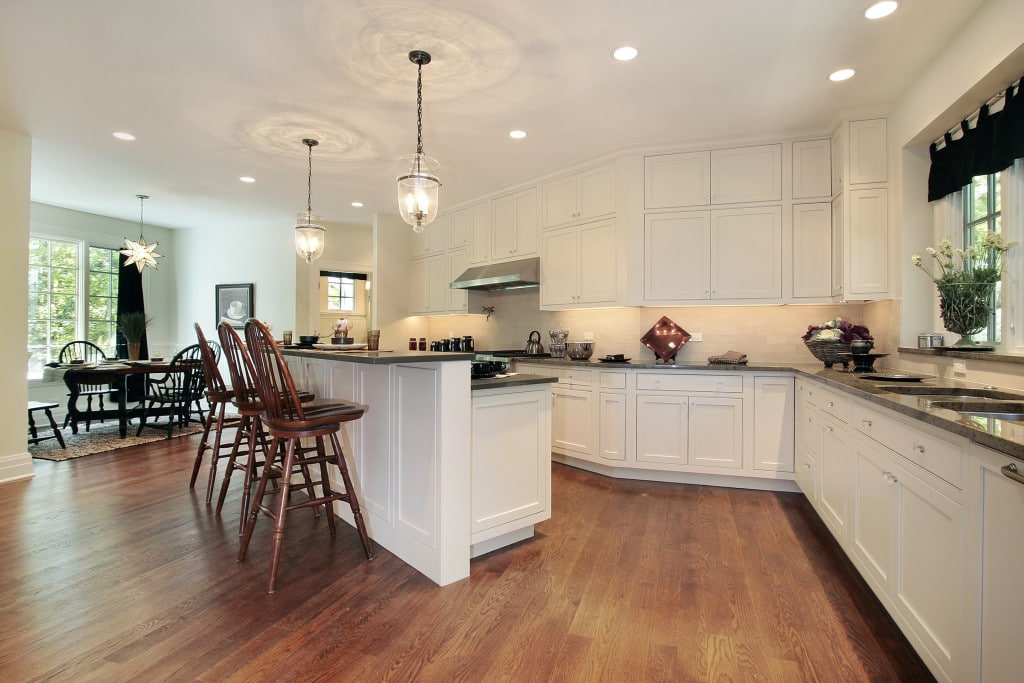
(133, 326)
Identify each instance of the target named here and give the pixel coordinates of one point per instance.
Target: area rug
(100, 439)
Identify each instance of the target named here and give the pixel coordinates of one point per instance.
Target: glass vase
(966, 309)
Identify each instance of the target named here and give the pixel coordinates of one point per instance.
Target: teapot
(533, 345)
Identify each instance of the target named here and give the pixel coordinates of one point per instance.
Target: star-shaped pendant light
(138, 251)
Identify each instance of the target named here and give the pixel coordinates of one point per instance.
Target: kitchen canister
(557, 346)
(930, 340)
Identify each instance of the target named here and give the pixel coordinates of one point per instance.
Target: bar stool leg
(207, 425)
(353, 499)
(282, 513)
(250, 522)
(221, 409)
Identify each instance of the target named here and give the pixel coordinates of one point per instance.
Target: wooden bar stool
(217, 420)
(33, 434)
(288, 421)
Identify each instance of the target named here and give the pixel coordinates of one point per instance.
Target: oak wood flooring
(113, 570)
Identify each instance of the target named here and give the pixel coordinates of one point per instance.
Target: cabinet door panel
(873, 515)
(437, 284)
(746, 174)
(419, 286)
(773, 420)
(480, 233)
(676, 247)
(458, 299)
(746, 253)
(838, 246)
(572, 423)
(716, 432)
(661, 428)
(868, 158)
(812, 169)
(812, 250)
(834, 473)
(612, 421)
(559, 267)
(527, 225)
(597, 192)
(558, 203)
(677, 180)
(868, 243)
(503, 227)
(459, 225)
(597, 263)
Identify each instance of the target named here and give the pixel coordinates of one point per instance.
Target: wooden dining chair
(88, 353)
(288, 420)
(218, 396)
(174, 393)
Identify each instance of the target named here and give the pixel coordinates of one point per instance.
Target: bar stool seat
(287, 421)
(33, 433)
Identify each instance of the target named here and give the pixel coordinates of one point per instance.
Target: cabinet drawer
(835, 404)
(664, 381)
(576, 377)
(613, 380)
(940, 454)
(807, 392)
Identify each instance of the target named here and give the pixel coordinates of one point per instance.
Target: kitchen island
(445, 467)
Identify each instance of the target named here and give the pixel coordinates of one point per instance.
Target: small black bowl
(308, 339)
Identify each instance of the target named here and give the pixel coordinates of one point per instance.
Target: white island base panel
(409, 455)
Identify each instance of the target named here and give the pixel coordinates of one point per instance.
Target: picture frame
(234, 304)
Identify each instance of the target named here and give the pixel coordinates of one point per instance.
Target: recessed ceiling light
(841, 75)
(625, 53)
(517, 134)
(881, 9)
(247, 179)
(357, 204)
(121, 135)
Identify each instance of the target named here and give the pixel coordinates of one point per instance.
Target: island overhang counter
(427, 496)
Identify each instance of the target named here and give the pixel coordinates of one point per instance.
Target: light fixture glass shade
(417, 192)
(310, 236)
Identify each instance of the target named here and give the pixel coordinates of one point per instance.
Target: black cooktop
(508, 353)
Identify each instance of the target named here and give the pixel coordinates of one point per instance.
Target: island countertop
(377, 357)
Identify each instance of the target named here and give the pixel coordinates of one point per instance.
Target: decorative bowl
(665, 339)
(830, 352)
(579, 350)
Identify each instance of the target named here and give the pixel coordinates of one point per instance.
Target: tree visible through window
(341, 293)
(982, 212)
(101, 323)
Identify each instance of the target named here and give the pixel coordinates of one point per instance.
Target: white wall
(15, 180)
(349, 248)
(391, 288)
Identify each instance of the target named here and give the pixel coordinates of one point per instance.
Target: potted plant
(966, 282)
(132, 327)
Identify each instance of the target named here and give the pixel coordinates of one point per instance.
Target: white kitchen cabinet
(612, 425)
(515, 225)
(837, 160)
(838, 235)
(746, 253)
(579, 266)
(676, 256)
(673, 429)
(994, 557)
(433, 239)
(677, 180)
(662, 426)
(579, 197)
(460, 224)
(572, 421)
(867, 152)
(428, 286)
(873, 515)
(458, 299)
(808, 442)
(812, 169)
(867, 244)
(511, 461)
(834, 478)
(746, 174)
(773, 423)
(715, 432)
(812, 250)
(478, 225)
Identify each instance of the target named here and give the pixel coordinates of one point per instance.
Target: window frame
(991, 220)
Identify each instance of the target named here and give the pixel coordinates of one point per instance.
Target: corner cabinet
(578, 197)
(579, 266)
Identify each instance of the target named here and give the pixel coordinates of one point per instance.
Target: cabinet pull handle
(919, 448)
(831, 429)
(1011, 472)
(866, 423)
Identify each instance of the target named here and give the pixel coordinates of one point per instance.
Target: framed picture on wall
(234, 304)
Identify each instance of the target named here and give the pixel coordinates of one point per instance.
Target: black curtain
(995, 142)
(130, 300)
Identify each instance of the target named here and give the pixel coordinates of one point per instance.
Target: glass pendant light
(310, 234)
(417, 188)
(137, 251)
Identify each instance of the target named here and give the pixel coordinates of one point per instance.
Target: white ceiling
(217, 89)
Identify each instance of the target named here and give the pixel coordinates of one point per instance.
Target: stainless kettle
(533, 345)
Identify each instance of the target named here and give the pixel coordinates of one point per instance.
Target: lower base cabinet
(572, 420)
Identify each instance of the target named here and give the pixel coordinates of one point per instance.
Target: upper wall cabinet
(578, 197)
(812, 162)
(867, 152)
(460, 223)
(515, 225)
(433, 239)
(722, 176)
(477, 220)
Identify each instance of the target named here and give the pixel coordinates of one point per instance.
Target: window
(983, 212)
(61, 306)
(341, 293)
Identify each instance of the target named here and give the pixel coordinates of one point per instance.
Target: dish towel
(729, 358)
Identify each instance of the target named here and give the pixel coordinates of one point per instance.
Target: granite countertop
(683, 365)
(506, 381)
(378, 357)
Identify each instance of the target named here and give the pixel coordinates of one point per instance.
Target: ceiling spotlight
(122, 135)
(841, 75)
(881, 9)
(517, 134)
(247, 179)
(357, 204)
(625, 53)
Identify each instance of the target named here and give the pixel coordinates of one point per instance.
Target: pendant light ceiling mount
(310, 234)
(418, 187)
(138, 252)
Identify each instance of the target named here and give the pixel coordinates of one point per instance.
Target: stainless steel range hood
(498, 276)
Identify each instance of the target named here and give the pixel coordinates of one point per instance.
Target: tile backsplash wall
(769, 334)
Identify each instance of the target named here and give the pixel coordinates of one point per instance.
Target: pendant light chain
(419, 108)
(309, 182)
(142, 206)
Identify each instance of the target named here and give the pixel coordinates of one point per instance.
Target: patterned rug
(100, 439)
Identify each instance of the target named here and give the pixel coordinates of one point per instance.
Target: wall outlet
(960, 369)
(588, 336)
(696, 336)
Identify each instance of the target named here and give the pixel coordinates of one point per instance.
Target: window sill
(950, 352)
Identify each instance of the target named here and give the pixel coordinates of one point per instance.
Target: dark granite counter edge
(510, 381)
(950, 352)
(379, 357)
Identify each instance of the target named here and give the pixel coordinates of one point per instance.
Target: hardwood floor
(113, 570)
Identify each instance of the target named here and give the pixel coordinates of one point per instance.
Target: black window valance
(338, 273)
(995, 142)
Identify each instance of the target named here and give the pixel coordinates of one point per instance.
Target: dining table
(116, 374)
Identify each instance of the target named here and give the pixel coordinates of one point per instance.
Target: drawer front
(807, 392)
(835, 404)
(613, 380)
(576, 377)
(940, 454)
(665, 381)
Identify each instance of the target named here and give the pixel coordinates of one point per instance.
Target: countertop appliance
(533, 345)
